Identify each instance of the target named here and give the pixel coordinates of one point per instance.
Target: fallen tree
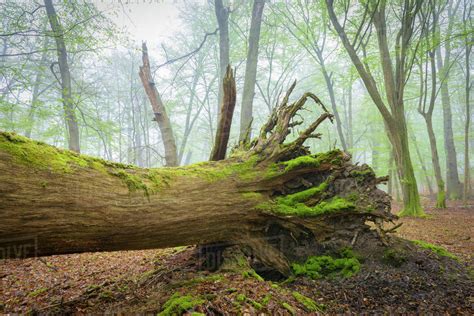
(272, 198)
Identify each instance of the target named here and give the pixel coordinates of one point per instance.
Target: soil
(142, 281)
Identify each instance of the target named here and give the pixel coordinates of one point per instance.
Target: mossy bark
(274, 199)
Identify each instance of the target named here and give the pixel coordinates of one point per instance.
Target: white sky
(145, 20)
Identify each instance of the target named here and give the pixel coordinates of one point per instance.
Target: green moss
(309, 304)
(441, 198)
(266, 299)
(251, 273)
(332, 157)
(241, 298)
(255, 304)
(133, 182)
(302, 196)
(366, 172)
(394, 257)
(289, 308)
(38, 292)
(336, 204)
(178, 304)
(41, 156)
(440, 251)
(251, 195)
(317, 267)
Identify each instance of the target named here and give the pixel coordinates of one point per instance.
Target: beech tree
(65, 81)
(272, 193)
(395, 74)
(248, 92)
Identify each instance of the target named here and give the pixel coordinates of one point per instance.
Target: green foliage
(309, 304)
(178, 304)
(440, 251)
(317, 267)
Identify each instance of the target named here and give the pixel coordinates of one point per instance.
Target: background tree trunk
(453, 185)
(251, 71)
(161, 117)
(66, 88)
(222, 15)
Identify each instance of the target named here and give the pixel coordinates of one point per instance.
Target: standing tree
(395, 75)
(222, 15)
(66, 87)
(467, 23)
(444, 63)
(427, 113)
(311, 34)
(251, 71)
(159, 110)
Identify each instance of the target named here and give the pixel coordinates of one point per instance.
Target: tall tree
(444, 63)
(467, 24)
(222, 15)
(427, 113)
(311, 33)
(65, 81)
(161, 116)
(251, 71)
(394, 77)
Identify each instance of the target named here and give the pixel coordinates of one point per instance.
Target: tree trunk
(274, 200)
(453, 185)
(332, 97)
(226, 114)
(394, 84)
(222, 15)
(161, 117)
(66, 88)
(468, 86)
(251, 71)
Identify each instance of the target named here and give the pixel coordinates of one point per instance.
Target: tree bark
(222, 16)
(159, 110)
(394, 83)
(274, 194)
(251, 71)
(453, 185)
(66, 88)
(226, 114)
(468, 86)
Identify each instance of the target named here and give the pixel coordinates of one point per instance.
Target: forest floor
(143, 281)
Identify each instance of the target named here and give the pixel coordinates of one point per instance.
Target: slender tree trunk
(468, 48)
(66, 88)
(428, 117)
(251, 71)
(330, 87)
(159, 110)
(222, 15)
(453, 185)
(423, 166)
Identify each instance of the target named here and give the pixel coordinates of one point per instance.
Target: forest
(236, 157)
